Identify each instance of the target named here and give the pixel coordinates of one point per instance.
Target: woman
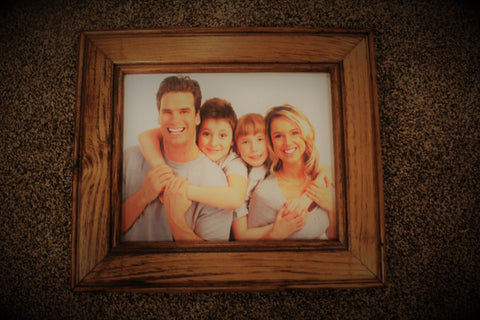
(296, 175)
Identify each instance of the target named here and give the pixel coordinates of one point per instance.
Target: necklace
(294, 182)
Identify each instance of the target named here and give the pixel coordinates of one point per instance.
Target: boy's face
(215, 138)
(253, 148)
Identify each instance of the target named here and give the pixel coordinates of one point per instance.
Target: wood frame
(100, 262)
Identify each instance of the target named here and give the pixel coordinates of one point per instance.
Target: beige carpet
(428, 65)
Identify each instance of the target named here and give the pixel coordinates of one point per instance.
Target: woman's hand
(286, 223)
(299, 205)
(322, 195)
(321, 192)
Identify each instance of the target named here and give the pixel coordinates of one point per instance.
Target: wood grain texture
(237, 270)
(92, 179)
(361, 196)
(227, 46)
(101, 262)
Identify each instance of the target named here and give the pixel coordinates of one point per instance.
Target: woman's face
(215, 138)
(287, 139)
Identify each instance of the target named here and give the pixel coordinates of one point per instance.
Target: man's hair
(216, 108)
(180, 84)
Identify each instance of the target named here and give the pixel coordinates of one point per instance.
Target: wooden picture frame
(101, 262)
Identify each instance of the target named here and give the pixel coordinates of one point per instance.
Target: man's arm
(176, 204)
(153, 185)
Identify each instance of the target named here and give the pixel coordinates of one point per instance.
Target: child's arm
(242, 232)
(150, 146)
(228, 198)
(286, 223)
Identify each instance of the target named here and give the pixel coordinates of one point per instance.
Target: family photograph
(228, 157)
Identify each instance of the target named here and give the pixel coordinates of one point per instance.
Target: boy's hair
(250, 123)
(216, 108)
(180, 84)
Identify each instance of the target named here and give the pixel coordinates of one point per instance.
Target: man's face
(177, 118)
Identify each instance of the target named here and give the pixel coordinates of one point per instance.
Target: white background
(247, 92)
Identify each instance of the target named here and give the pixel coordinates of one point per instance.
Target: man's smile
(176, 130)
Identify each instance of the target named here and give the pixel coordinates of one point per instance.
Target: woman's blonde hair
(311, 155)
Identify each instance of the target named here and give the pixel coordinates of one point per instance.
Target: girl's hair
(250, 123)
(311, 155)
(216, 108)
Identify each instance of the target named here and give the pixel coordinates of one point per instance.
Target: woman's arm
(150, 146)
(304, 202)
(228, 198)
(322, 194)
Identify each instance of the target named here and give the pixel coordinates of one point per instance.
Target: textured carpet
(428, 75)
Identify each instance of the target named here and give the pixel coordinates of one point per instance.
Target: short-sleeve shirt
(232, 163)
(207, 222)
(267, 200)
(255, 175)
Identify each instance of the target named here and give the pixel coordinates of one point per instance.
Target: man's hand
(175, 197)
(176, 204)
(153, 185)
(155, 182)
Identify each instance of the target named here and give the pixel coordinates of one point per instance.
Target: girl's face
(287, 139)
(253, 148)
(215, 138)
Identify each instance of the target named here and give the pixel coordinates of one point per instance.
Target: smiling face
(178, 119)
(215, 138)
(253, 148)
(287, 140)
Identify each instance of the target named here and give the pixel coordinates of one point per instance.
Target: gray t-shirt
(255, 175)
(233, 164)
(267, 200)
(207, 222)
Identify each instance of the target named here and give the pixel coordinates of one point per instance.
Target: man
(144, 217)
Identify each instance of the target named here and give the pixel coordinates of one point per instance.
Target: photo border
(100, 262)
